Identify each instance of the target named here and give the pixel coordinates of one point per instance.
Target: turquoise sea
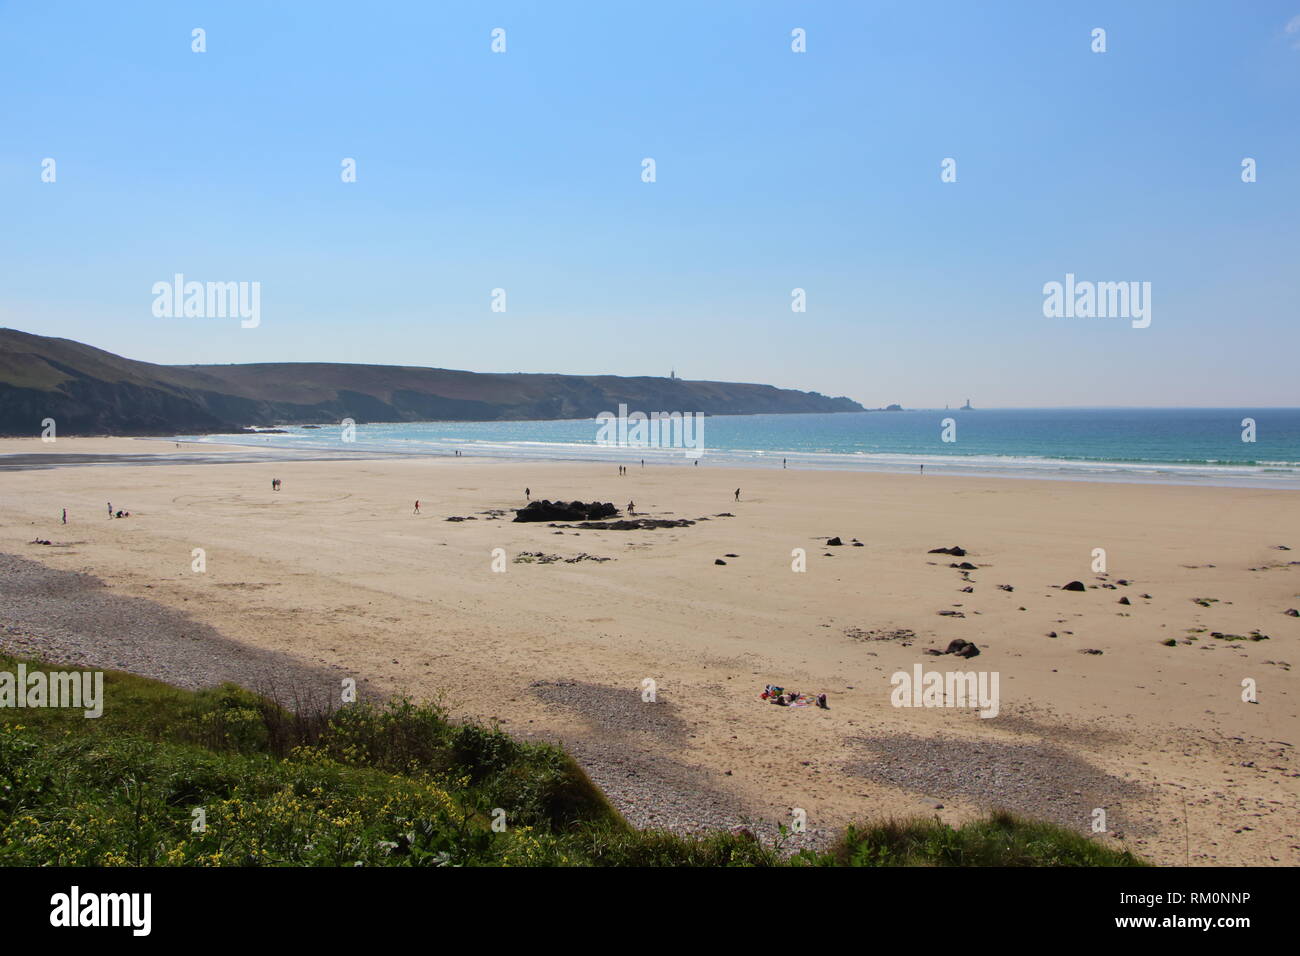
(1166, 445)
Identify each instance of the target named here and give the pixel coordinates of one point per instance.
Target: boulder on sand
(834, 542)
(1074, 586)
(955, 551)
(565, 511)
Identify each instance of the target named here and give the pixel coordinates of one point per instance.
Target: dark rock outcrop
(565, 511)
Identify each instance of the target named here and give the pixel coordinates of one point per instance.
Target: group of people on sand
(791, 698)
(111, 513)
(275, 484)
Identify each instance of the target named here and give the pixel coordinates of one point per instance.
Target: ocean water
(1199, 446)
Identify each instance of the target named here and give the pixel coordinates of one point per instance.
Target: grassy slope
(372, 785)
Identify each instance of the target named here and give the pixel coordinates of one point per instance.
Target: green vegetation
(1002, 839)
(373, 785)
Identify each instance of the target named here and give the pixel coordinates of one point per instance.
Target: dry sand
(335, 574)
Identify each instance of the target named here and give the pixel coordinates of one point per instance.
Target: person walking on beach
(110, 509)
(65, 515)
(737, 494)
(417, 506)
(923, 469)
(631, 507)
(528, 494)
(782, 462)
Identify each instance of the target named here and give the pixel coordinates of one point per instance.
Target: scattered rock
(834, 543)
(632, 524)
(718, 561)
(1073, 586)
(539, 557)
(880, 634)
(1125, 600)
(1089, 650)
(955, 551)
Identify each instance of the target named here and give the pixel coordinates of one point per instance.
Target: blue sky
(775, 170)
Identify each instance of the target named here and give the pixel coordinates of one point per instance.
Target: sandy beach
(334, 574)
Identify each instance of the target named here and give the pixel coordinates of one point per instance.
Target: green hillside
(90, 391)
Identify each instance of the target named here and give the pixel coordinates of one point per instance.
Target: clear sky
(775, 170)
